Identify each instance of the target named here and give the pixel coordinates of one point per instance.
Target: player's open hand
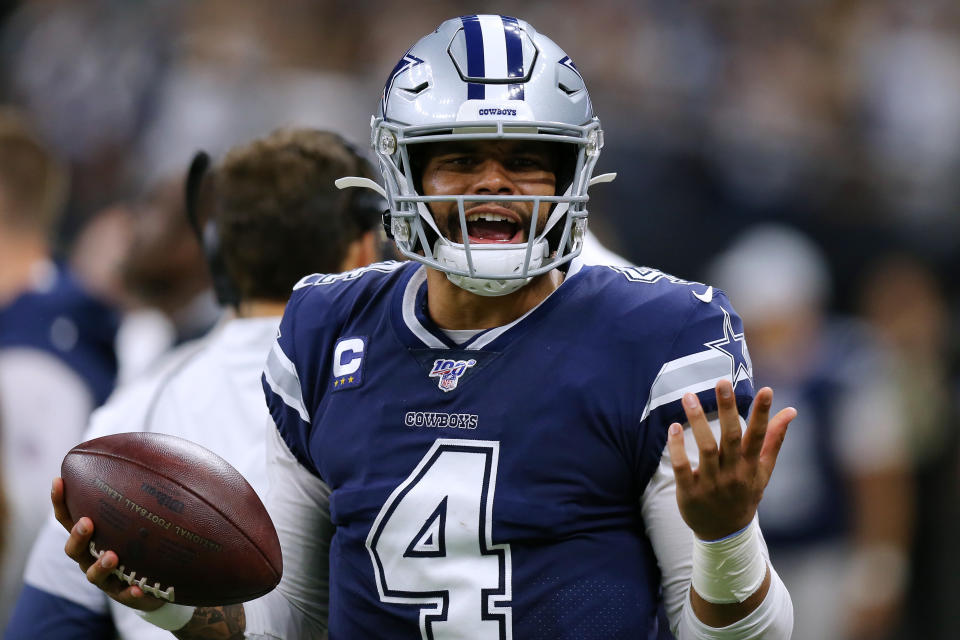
(721, 496)
(99, 571)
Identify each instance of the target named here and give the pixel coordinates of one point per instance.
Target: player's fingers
(133, 596)
(59, 505)
(678, 456)
(776, 432)
(78, 544)
(98, 572)
(706, 443)
(730, 433)
(757, 425)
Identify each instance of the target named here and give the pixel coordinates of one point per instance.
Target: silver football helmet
(485, 77)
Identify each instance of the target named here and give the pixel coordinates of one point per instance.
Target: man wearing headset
(481, 443)
(271, 213)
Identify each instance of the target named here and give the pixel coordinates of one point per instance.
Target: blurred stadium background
(837, 118)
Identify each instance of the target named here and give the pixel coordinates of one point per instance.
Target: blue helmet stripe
(511, 31)
(475, 67)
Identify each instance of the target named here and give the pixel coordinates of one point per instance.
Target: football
(186, 526)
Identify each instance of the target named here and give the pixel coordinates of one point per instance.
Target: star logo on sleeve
(734, 346)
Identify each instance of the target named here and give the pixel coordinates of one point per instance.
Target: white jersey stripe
(697, 372)
(281, 374)
(409, 313)
(432, 341)
(691, 360)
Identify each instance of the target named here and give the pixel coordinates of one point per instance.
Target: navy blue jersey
(494, 486)
(62, 319)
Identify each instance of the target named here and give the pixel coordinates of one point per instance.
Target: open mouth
(489, 227)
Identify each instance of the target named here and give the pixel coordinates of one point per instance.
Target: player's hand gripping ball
(186, 526)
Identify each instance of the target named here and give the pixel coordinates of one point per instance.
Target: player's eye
(459, 160)
(527, 163)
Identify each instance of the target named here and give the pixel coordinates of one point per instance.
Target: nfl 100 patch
(449, 372)
(452, 368)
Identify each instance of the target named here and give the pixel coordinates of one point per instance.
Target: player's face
(495, 168)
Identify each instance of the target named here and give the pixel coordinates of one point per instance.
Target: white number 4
(431, 544)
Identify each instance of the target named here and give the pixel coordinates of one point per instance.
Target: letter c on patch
(347, 357)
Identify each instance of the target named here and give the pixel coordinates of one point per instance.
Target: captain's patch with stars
(348, 357)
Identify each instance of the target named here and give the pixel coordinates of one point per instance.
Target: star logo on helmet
(407, 62)
(568, 63)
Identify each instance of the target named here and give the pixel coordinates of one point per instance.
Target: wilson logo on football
(449, 372)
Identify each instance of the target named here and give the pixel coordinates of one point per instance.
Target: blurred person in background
(837, 516)
(144, 257)
(168, 296)
(274, 216)
(57, 359)
(903, 301)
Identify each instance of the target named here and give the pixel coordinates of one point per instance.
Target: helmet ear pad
(418, 156)
(566, 169)
(566, 155)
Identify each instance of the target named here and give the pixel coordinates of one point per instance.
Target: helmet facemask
(496, 268)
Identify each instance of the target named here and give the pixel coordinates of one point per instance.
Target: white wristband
(170, 616)
(730, 569)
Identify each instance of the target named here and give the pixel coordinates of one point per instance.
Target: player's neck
(20, 256)
(454, 308)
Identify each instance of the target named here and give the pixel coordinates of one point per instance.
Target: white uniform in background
(595, 253)
(208, 392)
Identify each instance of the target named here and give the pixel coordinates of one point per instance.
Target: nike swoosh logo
(706, 296)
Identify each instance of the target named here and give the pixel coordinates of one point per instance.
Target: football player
(272, 213)
(479, 444)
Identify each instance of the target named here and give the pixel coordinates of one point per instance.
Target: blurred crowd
(801, 154)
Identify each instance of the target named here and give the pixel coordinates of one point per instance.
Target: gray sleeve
(299, 504)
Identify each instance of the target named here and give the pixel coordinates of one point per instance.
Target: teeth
(488, 217)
